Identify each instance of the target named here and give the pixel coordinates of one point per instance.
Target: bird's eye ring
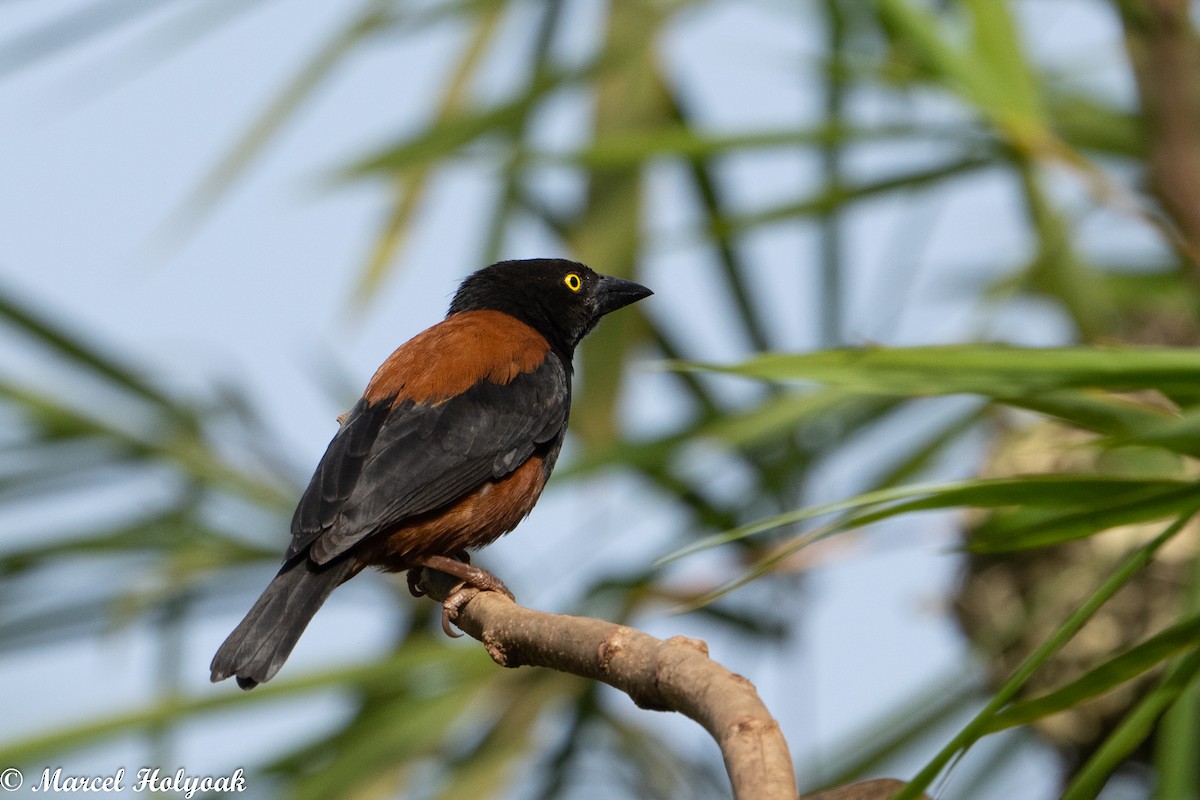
(573, 282)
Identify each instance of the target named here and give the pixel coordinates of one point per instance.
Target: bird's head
(563, 300)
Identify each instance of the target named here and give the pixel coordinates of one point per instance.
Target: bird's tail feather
(260, 644)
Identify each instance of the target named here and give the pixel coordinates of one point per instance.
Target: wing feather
(394, 461)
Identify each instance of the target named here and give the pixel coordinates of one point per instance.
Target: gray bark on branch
(672, 675)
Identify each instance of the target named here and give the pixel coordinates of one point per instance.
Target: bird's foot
(475, 576)
(459, 597)
(472, 581)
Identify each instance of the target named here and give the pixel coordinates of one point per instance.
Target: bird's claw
(460, 595)
(414, 576)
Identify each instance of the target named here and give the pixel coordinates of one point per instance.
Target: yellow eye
(573, 282)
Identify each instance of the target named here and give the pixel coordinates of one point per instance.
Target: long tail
(260, 644)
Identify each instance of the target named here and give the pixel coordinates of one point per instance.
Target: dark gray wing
(390, 462)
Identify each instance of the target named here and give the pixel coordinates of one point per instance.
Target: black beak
(613, 293)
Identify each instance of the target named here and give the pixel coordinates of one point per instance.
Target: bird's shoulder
(463, 350)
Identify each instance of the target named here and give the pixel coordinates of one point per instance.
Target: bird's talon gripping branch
(477, 577)
(460, 595)
(471, 581)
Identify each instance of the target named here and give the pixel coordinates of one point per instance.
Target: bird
(447, 450)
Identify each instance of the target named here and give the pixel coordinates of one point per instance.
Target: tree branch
(881, 789)
(672, 675)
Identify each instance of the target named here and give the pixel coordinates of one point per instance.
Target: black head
(561, 299)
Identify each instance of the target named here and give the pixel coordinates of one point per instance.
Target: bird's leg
(475, 576)
(415, 573)
(473, 580)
